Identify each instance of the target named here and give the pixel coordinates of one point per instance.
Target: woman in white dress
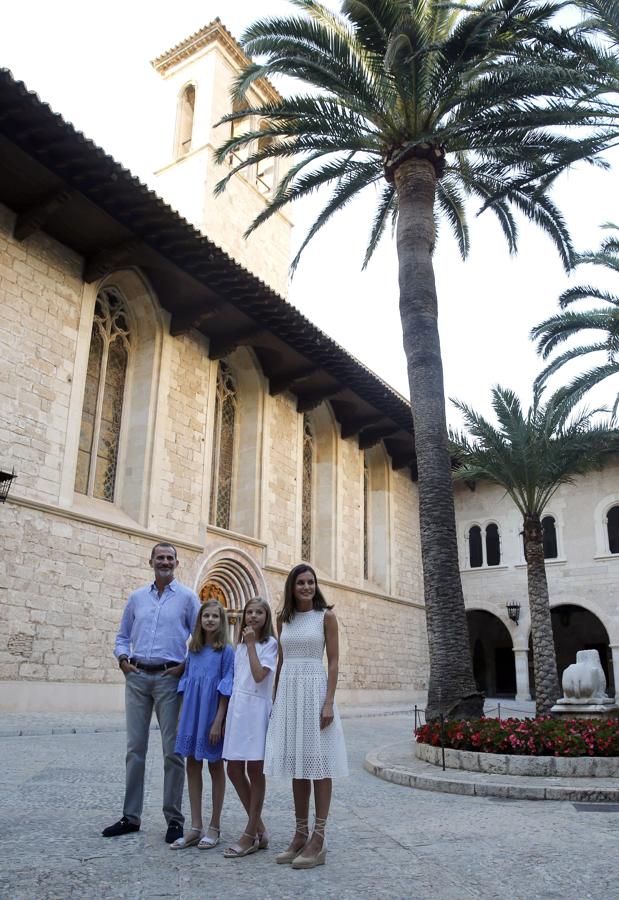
(305, 739)
(247, 720)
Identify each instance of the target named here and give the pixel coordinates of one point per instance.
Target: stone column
(521, 659)
(614, 688)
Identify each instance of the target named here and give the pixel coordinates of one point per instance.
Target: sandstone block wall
(67, 563)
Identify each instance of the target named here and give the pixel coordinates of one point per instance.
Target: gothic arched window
(223, 448)
(186, 109)
(103, 397)
(307, 490)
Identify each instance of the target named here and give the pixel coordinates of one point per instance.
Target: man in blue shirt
(151, 646)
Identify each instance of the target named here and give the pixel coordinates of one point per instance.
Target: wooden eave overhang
(59, 182)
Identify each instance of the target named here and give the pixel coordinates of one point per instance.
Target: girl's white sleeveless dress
(247, 718)
(295, 745)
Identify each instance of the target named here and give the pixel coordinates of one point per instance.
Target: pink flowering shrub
(543, 736)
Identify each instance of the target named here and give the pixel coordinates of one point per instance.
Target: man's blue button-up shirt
(155, 629)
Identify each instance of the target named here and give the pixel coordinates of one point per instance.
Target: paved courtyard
(386, 841)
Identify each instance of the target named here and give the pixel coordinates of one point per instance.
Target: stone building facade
(154, 384)
(581, 544)
(151, 388)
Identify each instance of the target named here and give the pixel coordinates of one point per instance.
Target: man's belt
(144, 667)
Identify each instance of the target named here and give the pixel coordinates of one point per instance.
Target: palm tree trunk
(544, 658)
(452, 688)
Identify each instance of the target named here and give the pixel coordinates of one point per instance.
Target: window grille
(307, 488)
(366, 518)
(223, 448)
(108, 357)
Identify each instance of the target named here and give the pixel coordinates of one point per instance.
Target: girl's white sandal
(183, 842)
(206, 842)
(237, 852)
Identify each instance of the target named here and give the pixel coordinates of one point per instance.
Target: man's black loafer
(174, 832)
(123, 826)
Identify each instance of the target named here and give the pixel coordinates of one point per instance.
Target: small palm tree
(553, 332)
(435, 104)
(530, 456)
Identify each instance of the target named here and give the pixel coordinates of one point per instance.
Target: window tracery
(223, 447)
(104, 391)
(366, 518)
(307, 489)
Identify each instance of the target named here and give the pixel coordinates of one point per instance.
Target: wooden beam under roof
(305, 403)
(104, 261)
(221, 345)
(283, 381)
(38, 214)
(352, 427)
(371, 436)
(186, 319)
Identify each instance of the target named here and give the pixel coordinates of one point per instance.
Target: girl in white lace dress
(305, 739)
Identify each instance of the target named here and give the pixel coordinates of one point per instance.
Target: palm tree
(601, 17)
(435, 103)
(553, 332)
(530, 456)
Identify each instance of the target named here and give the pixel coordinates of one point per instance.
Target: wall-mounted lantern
(6, 480)
(513, 610)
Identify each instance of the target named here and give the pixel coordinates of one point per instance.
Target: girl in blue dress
(207, 685)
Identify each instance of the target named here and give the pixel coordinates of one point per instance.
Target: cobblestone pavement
(385, 841)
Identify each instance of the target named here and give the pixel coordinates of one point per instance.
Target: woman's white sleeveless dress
(295, 745)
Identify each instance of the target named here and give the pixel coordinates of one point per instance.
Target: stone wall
(68, 562)
(584, 574)
(40, 298)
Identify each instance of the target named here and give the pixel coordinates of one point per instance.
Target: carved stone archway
(232, 577)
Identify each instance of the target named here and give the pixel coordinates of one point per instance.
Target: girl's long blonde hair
(220, 638)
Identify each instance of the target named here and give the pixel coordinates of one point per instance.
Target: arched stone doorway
(232, 578)
(575, 628)
(493, 654)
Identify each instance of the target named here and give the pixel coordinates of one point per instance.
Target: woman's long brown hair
(290, 607)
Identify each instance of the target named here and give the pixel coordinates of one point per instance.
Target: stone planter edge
(506, 764)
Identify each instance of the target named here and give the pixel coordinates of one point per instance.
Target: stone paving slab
(385, 841)
(398, 764)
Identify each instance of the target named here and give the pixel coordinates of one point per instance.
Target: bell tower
(198, 74)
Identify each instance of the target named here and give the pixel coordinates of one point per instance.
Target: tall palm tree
(531, 455)
(435, 103)
(600, 17)
(603, 320)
